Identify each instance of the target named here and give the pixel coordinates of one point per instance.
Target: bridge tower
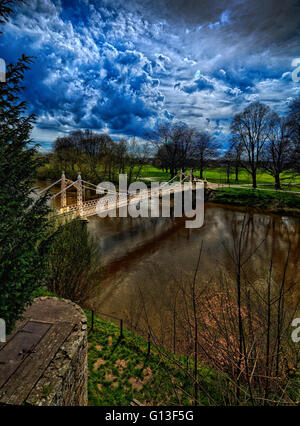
(181, 176)
(63, 197)
(79, 193)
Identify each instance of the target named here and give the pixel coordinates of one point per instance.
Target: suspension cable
(48, 187)
(55, 195)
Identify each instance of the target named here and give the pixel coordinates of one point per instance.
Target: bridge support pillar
(63, 197)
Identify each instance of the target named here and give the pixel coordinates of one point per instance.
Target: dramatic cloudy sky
(120, 66)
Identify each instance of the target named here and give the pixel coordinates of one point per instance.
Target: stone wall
(55, 372)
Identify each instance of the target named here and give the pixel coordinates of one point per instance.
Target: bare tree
(278, 148)
(294, 125)
(205, 149)
(94, 146)
(161, 159)
(227, 161)
(251, 128)
(83, 146)
(236, 150)
(175, 144)
(136, 158)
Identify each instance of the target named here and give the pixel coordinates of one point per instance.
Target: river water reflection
(144, 258)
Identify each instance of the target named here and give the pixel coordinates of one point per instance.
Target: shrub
(73, 259)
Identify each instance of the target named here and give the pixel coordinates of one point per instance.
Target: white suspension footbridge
(111, 199)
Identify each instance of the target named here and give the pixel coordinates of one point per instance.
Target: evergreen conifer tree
(23, 215)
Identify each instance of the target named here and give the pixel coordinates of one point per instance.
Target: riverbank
(121, 371)
(265, 201)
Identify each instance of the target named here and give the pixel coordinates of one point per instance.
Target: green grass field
(218, 175)
(120, 371)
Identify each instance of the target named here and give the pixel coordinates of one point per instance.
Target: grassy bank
(218, 175)
(267, 200)
(120, 371)
(284, 187)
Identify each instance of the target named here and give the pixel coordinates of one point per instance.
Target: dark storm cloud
(267, 21)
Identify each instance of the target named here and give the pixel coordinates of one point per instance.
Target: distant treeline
(260, 140)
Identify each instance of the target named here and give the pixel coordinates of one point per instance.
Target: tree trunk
(277, 181)
(201, 171)
(237, 174)
(254, 185)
